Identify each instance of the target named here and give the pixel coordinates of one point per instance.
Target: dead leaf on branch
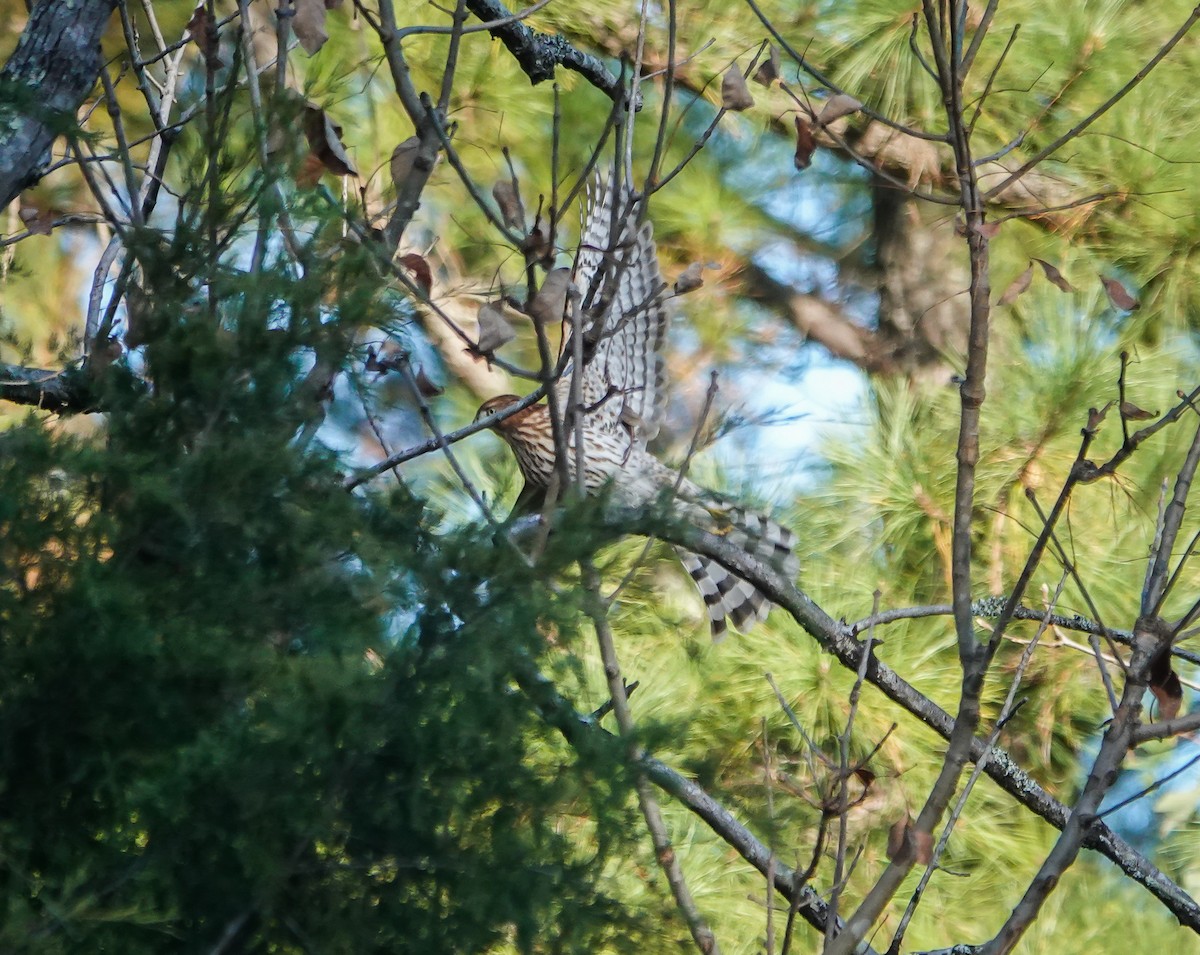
(837, 106)
(1164, 684)
(768, 71)
(549, 305)
(1016, 288)
(690, 279)
(404, 158)
(37, 220)
(494, 328)
(864, 776)
(989, 230)
(1131, 412)
(806, 143)
(508, 198)
(1097, 415)
(924, 846)
(425, 387)
(1119, 295)
(325, 140)
(203, 32)
(310, 172)
(902, 832)
(419, 269)
(735, 95)
(308, 22)
(537, 246)
(1055, 276)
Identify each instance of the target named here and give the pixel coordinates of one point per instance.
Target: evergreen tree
(259, 692)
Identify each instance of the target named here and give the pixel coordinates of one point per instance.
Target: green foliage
(240, 701)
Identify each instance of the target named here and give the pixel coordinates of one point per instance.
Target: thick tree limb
(821, 321)
(817, 319)
(65, 392)
(52, 69)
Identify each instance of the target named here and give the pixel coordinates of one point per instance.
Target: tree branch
(835, 638)
(52, 69)
(65, 392)
(539, 53)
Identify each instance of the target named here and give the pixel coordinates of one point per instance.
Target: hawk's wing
(624, 316)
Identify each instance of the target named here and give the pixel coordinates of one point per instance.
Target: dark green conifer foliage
(240, 704)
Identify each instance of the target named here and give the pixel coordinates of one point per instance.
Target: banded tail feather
(727, 595)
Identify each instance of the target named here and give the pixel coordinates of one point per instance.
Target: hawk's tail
(727, 595)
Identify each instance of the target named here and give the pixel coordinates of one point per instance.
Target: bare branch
(539, 53)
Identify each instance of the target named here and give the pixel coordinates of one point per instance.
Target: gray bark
(53, 68)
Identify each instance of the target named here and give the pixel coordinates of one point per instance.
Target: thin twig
(705, 941)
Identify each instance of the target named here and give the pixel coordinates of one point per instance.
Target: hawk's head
(499, 403)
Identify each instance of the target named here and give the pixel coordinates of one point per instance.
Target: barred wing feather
(624, 315)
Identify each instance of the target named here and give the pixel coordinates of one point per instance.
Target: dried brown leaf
(690, 278)
(865, 776)
(923, 844)
(806, 144)
(509, 200)
(1131, 412)
(325, 139)
(536, 245)
(549, 304)
(989, 230)
(837, 106)
(37, 220)
(311, 170)
(1119, 295)
(1016, 288)
(203, 32)
(768, 71)
(903, 834)
(308, 21)
(425, 387)
(735, 95)
(1097, 415)
(420, 271)
(494, 328)
(896, 836)
(404, 157)
(1165, 685)
(1055, 276)
(391, 358)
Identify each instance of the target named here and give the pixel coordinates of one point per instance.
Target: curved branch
(835, 638)
(539, 53)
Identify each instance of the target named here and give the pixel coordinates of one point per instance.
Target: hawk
(618, 301)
